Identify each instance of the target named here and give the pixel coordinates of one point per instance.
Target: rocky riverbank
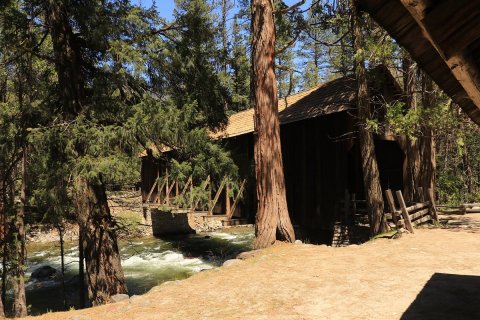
(432, 274)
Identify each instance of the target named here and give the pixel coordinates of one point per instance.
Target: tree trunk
(467, 168)
(18, 272)
(61, 231)
(224, 34)
(81, 272)
(102, 259)
(427, 142)
(68, 59)
(103, 268)
(2, 242)
(371, 175)
(272, 219)
(411, 182)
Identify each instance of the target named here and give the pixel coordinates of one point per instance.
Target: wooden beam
(239, 194)
(403, 208)
(419, 214)
(187, 184)
(151, 190)
(462, 67)
(391, 206)
(228, 207)
(217, 195)
(418, 206)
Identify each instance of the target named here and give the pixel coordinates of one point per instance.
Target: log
(419, 214)
(422, 220)
(403, 207)
(391, 205)
(418, 206)
(234, 206)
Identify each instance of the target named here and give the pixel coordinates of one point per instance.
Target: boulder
(44, 273)
(248, 254)
(231, 262)
(119, 297)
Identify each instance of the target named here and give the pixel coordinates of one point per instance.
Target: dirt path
(433, 274)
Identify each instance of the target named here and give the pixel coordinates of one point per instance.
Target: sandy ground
(432, 274)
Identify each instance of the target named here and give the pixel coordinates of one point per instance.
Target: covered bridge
(443, 37)
(321, 155)
(320, 151)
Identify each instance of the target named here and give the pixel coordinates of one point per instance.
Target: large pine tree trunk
(102, 259)
(18, 272)
(371, 175)
(272, 220)
(103, 268)
(2, 242)
(427, 142)
(411, 181)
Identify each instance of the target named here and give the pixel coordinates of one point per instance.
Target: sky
(165, 7)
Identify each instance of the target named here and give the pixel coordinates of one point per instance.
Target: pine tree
(371, 175)
(272, 219)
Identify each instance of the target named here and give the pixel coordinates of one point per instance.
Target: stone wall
(165, 222)
(170, 221)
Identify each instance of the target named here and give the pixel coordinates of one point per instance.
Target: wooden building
(443, 37)
(320, 151)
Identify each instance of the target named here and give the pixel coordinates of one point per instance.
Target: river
(147, 262)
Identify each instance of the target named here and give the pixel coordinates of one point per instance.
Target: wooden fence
(164, 191)
(415, 213)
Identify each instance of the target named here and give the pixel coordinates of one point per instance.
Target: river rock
(231, 262)
(79, 317)
(248, 254)
(119, 297)
(298, 242)
(44, 273)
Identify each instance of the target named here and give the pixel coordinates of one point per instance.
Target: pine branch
(289, 44)
(291, 8)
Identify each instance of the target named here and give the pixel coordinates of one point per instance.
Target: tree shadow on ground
(447, 296)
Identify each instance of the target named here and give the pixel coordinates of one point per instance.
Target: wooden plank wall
(316, 172)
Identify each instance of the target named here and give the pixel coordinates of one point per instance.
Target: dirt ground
(432, 274)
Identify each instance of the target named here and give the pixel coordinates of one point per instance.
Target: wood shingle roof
(334, 96)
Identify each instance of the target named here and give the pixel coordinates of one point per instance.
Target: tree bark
(467, 168)
(102, 259)
(2, 242)
(81, 272)
(371, 175)
(272, 219)
(427, 141)
(68, 58)
(18, 272)
(411, 182)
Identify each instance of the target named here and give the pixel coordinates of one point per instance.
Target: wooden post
(421, 195)
(167, 193)
(346, 207)
(239, 194)
(217, 195)
(158, 186)
(431, 198)
(403, 207)
(191, 195)
(227, 199)
(391, 206)
(354, 207)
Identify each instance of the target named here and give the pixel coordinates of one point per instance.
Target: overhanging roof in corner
(443, 37)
